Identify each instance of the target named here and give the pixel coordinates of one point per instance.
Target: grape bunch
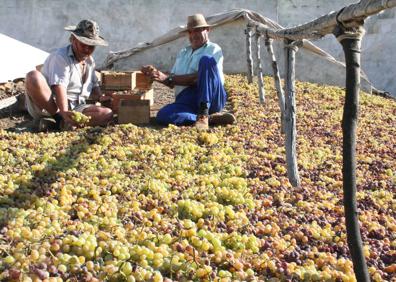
(80, 118)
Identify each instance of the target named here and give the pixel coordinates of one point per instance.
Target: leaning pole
(350, 39)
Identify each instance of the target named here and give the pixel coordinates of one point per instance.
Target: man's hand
(67, 118)
(148, 70)
(159, 76)
(154, 73)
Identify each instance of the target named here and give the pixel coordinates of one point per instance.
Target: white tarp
(216, 21)
(18, 58)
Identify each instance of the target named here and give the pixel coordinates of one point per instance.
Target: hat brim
(88, 41)
(70, 27)
(92, 42)
(186, 29)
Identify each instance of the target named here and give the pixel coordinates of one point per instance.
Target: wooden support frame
(259, 69)
(277, 81)
(347, 26)
(325, 24)
(290, 114)
(248, 32)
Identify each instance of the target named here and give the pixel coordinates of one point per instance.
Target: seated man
(67, 80)
(198, 79)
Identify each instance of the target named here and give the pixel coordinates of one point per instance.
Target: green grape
(80, 118)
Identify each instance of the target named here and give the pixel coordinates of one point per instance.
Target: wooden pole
(277, 81)
(260, 70)
(325, 24)
(350, 39)
(248, 32)
(290, 114)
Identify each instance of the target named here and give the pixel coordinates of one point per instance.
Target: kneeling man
(198, 79)
(67, 80)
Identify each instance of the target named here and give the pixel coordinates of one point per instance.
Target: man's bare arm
(168, 79)
(62, 103)
(60, 98)
(185, 80)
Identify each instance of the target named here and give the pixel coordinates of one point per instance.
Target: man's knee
(98, 110)
(34, 81)
(163, 115)
(106, 113)
(99, 115)
(109, 113)
(33, 77)
(207, 61)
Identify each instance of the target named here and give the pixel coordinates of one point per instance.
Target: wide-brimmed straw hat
(196, 21)
(87, 31)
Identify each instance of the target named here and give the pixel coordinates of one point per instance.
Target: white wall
(124, 23)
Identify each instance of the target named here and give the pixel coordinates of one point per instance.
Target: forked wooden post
(350, 39)
(290, 114)
(259, 69)
(277, 81)
(248, 32)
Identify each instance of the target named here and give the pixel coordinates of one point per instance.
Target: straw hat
(87, 32)
(196, 21)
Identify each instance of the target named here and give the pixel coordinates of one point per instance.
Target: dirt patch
(15, 118)
(12, 113)
(15, 121)
(11, 88)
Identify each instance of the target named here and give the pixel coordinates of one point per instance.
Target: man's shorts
(37, 113)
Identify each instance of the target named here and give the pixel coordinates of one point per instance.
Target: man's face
(82, 51)
(198, 37)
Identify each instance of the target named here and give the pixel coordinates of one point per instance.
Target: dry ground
(15, 117)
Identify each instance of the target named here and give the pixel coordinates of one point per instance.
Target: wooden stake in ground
(260, 70)
(248, 32)
(290, 114)
(350, 39)
(277, 81)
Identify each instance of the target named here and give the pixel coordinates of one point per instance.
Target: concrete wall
(124, 23)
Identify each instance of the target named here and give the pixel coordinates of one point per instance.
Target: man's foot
(202, 122)
(46, 124)
(221, 118)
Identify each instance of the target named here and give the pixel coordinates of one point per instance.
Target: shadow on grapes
(27, 195)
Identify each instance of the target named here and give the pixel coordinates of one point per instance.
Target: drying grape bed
(10, 89)
(128, 203)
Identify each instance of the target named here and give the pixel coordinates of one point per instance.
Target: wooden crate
(134, 111)
(118, 80)
(134, 95)
(143, 81)
(127, 80)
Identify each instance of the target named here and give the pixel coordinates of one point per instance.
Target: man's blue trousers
(208, 90)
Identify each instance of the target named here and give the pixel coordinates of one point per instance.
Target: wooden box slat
(118, 80)
(127, 80)
(134, 111)
(142, 81)
(134, 95)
